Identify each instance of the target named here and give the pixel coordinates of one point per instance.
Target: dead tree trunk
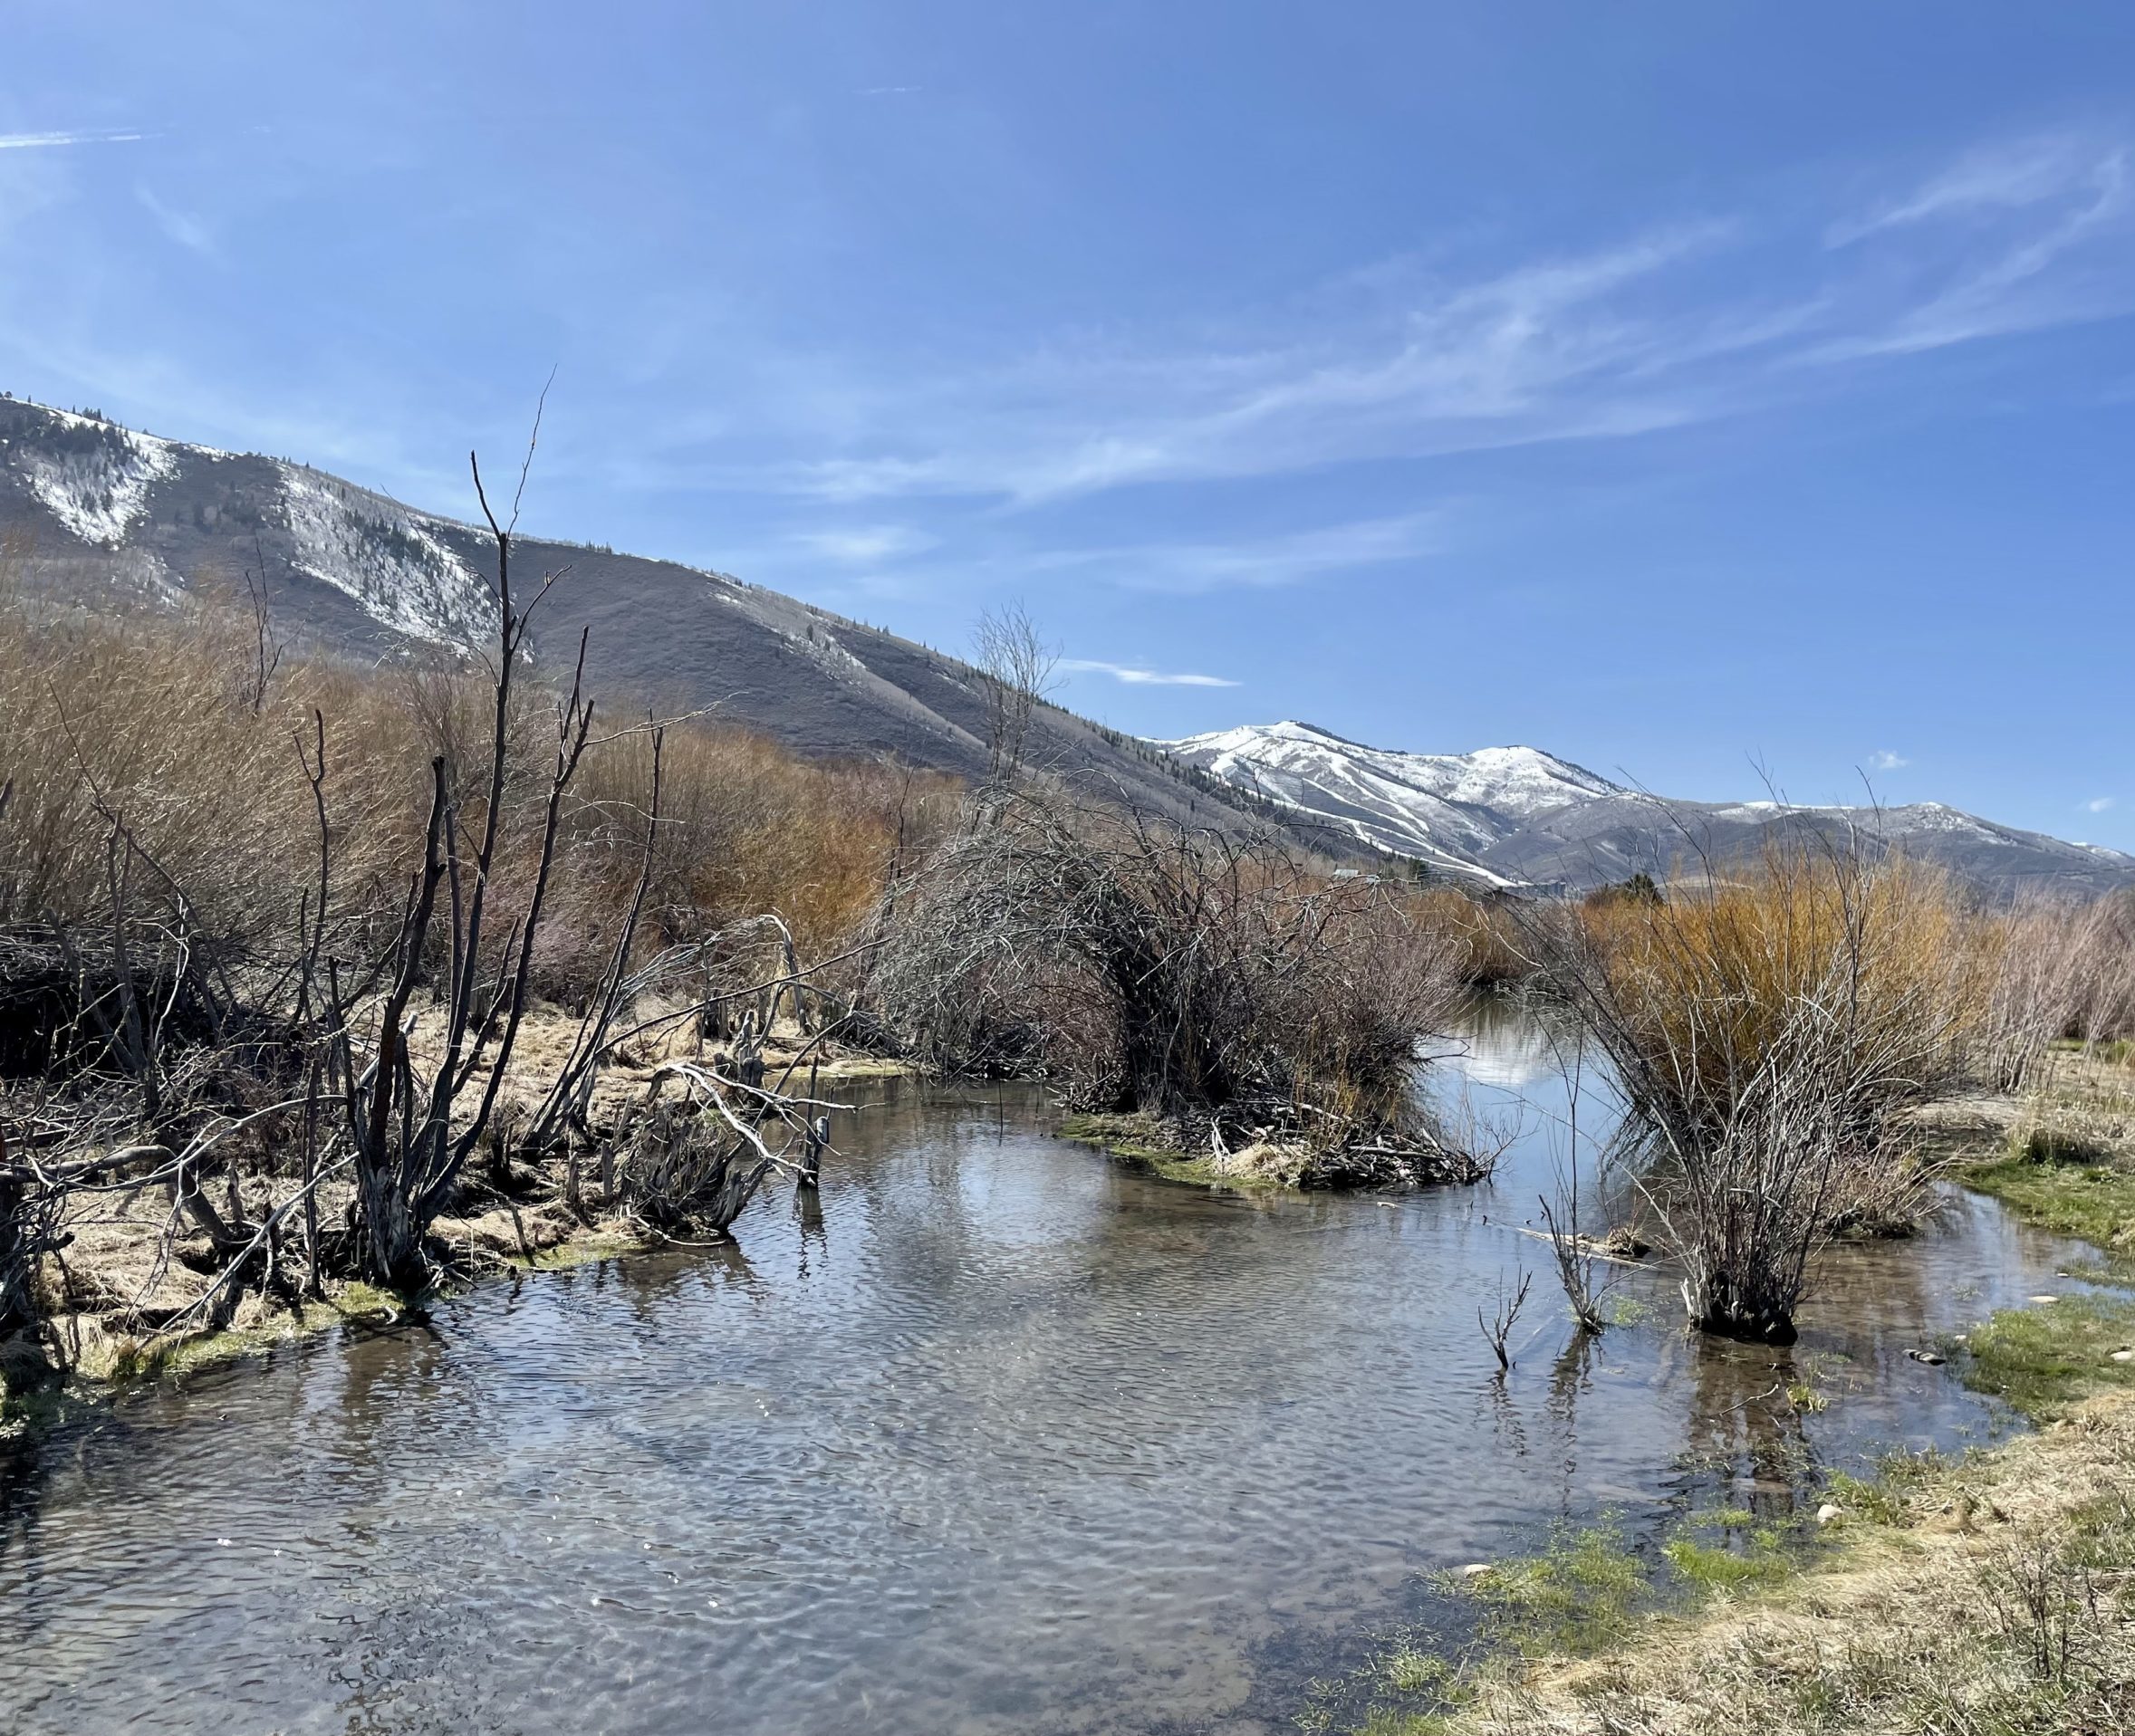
(410, 1141)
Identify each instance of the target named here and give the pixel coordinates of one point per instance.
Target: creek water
(1001, 1436)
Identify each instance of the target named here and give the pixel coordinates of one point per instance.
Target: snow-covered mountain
(1446, 809)
(86, 495)
(112, 518)
(1515, 816)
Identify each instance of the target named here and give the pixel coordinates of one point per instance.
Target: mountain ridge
(110, 517)
(107, 517)
(1516, 816)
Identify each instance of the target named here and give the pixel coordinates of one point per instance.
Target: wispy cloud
(2100, 804)
(1453, 368)
(2008, 175)
(1683, 323)
(1284, 559)
(866, 544)
(186, 230)
(1140, 677)
(2028, 236)
(1884, 760)
(60, 140)
(890, 89)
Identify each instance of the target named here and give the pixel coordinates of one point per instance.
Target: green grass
(2118, 1052)
(29, 1406)
(1576, 1598)
(2092, 1198)
(1886, 1498)
(1391, 1721)
(1407, 1690)
(2043, 1359)
(204, 1351)
(1408, 1668)
(583, 1249)
(1713, 1566)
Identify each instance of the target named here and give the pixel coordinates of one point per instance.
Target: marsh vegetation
(323, 990)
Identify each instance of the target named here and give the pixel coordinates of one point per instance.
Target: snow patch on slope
(387, 559)
(1441, 808)
(94, 477)
(806, 629)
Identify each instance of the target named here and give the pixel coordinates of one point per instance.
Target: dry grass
(1997, 1605)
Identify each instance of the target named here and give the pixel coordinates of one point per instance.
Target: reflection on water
(996, 1436)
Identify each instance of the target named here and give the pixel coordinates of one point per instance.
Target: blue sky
(1679, 387)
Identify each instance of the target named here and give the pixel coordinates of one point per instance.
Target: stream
(1001, 1435)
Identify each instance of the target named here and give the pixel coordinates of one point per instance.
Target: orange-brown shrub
(156, 720)
(1766, 1026)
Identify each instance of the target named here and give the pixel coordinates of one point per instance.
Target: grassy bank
(2064, 1155)
(1987, 1594)
(1991, 1594)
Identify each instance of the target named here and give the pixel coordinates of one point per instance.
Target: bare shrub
(2060, 971)
(683, 1172)
(1497, 1329)
(691, 1163)
(1578, 1261)
(1214, 980)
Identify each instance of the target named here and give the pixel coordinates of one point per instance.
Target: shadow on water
(991, 1436)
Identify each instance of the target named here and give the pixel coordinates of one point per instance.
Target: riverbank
(1993, 1592)
(1990, 1594)
(128, 1306)
(2061, 1156)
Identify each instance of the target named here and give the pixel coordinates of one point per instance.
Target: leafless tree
(568, 1098)
(266, 644)
(410, 1138)
(1017, 667)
